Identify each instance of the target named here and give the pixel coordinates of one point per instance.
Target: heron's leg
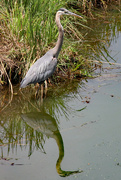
(49, 81)
(42, 88)
(36, 94)
(45, 87)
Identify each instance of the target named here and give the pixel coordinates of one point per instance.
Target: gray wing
(42, 69)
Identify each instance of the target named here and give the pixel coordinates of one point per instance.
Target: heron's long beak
(76, 15)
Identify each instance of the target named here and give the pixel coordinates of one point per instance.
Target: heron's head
(63, 11)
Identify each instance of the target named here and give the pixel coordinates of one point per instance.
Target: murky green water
(77, 127)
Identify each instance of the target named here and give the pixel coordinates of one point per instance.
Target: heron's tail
(23, 84)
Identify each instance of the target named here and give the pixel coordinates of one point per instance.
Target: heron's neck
(59, 43)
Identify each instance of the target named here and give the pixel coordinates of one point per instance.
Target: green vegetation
(28, 30)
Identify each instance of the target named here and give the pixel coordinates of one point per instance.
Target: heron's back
(42, 69)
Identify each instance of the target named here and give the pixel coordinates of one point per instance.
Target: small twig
(10, 87)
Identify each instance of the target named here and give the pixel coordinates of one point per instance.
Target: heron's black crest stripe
(61, 9)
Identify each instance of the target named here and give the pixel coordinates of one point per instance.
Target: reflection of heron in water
(47, 125)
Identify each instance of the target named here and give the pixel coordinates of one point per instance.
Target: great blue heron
(44, 67)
